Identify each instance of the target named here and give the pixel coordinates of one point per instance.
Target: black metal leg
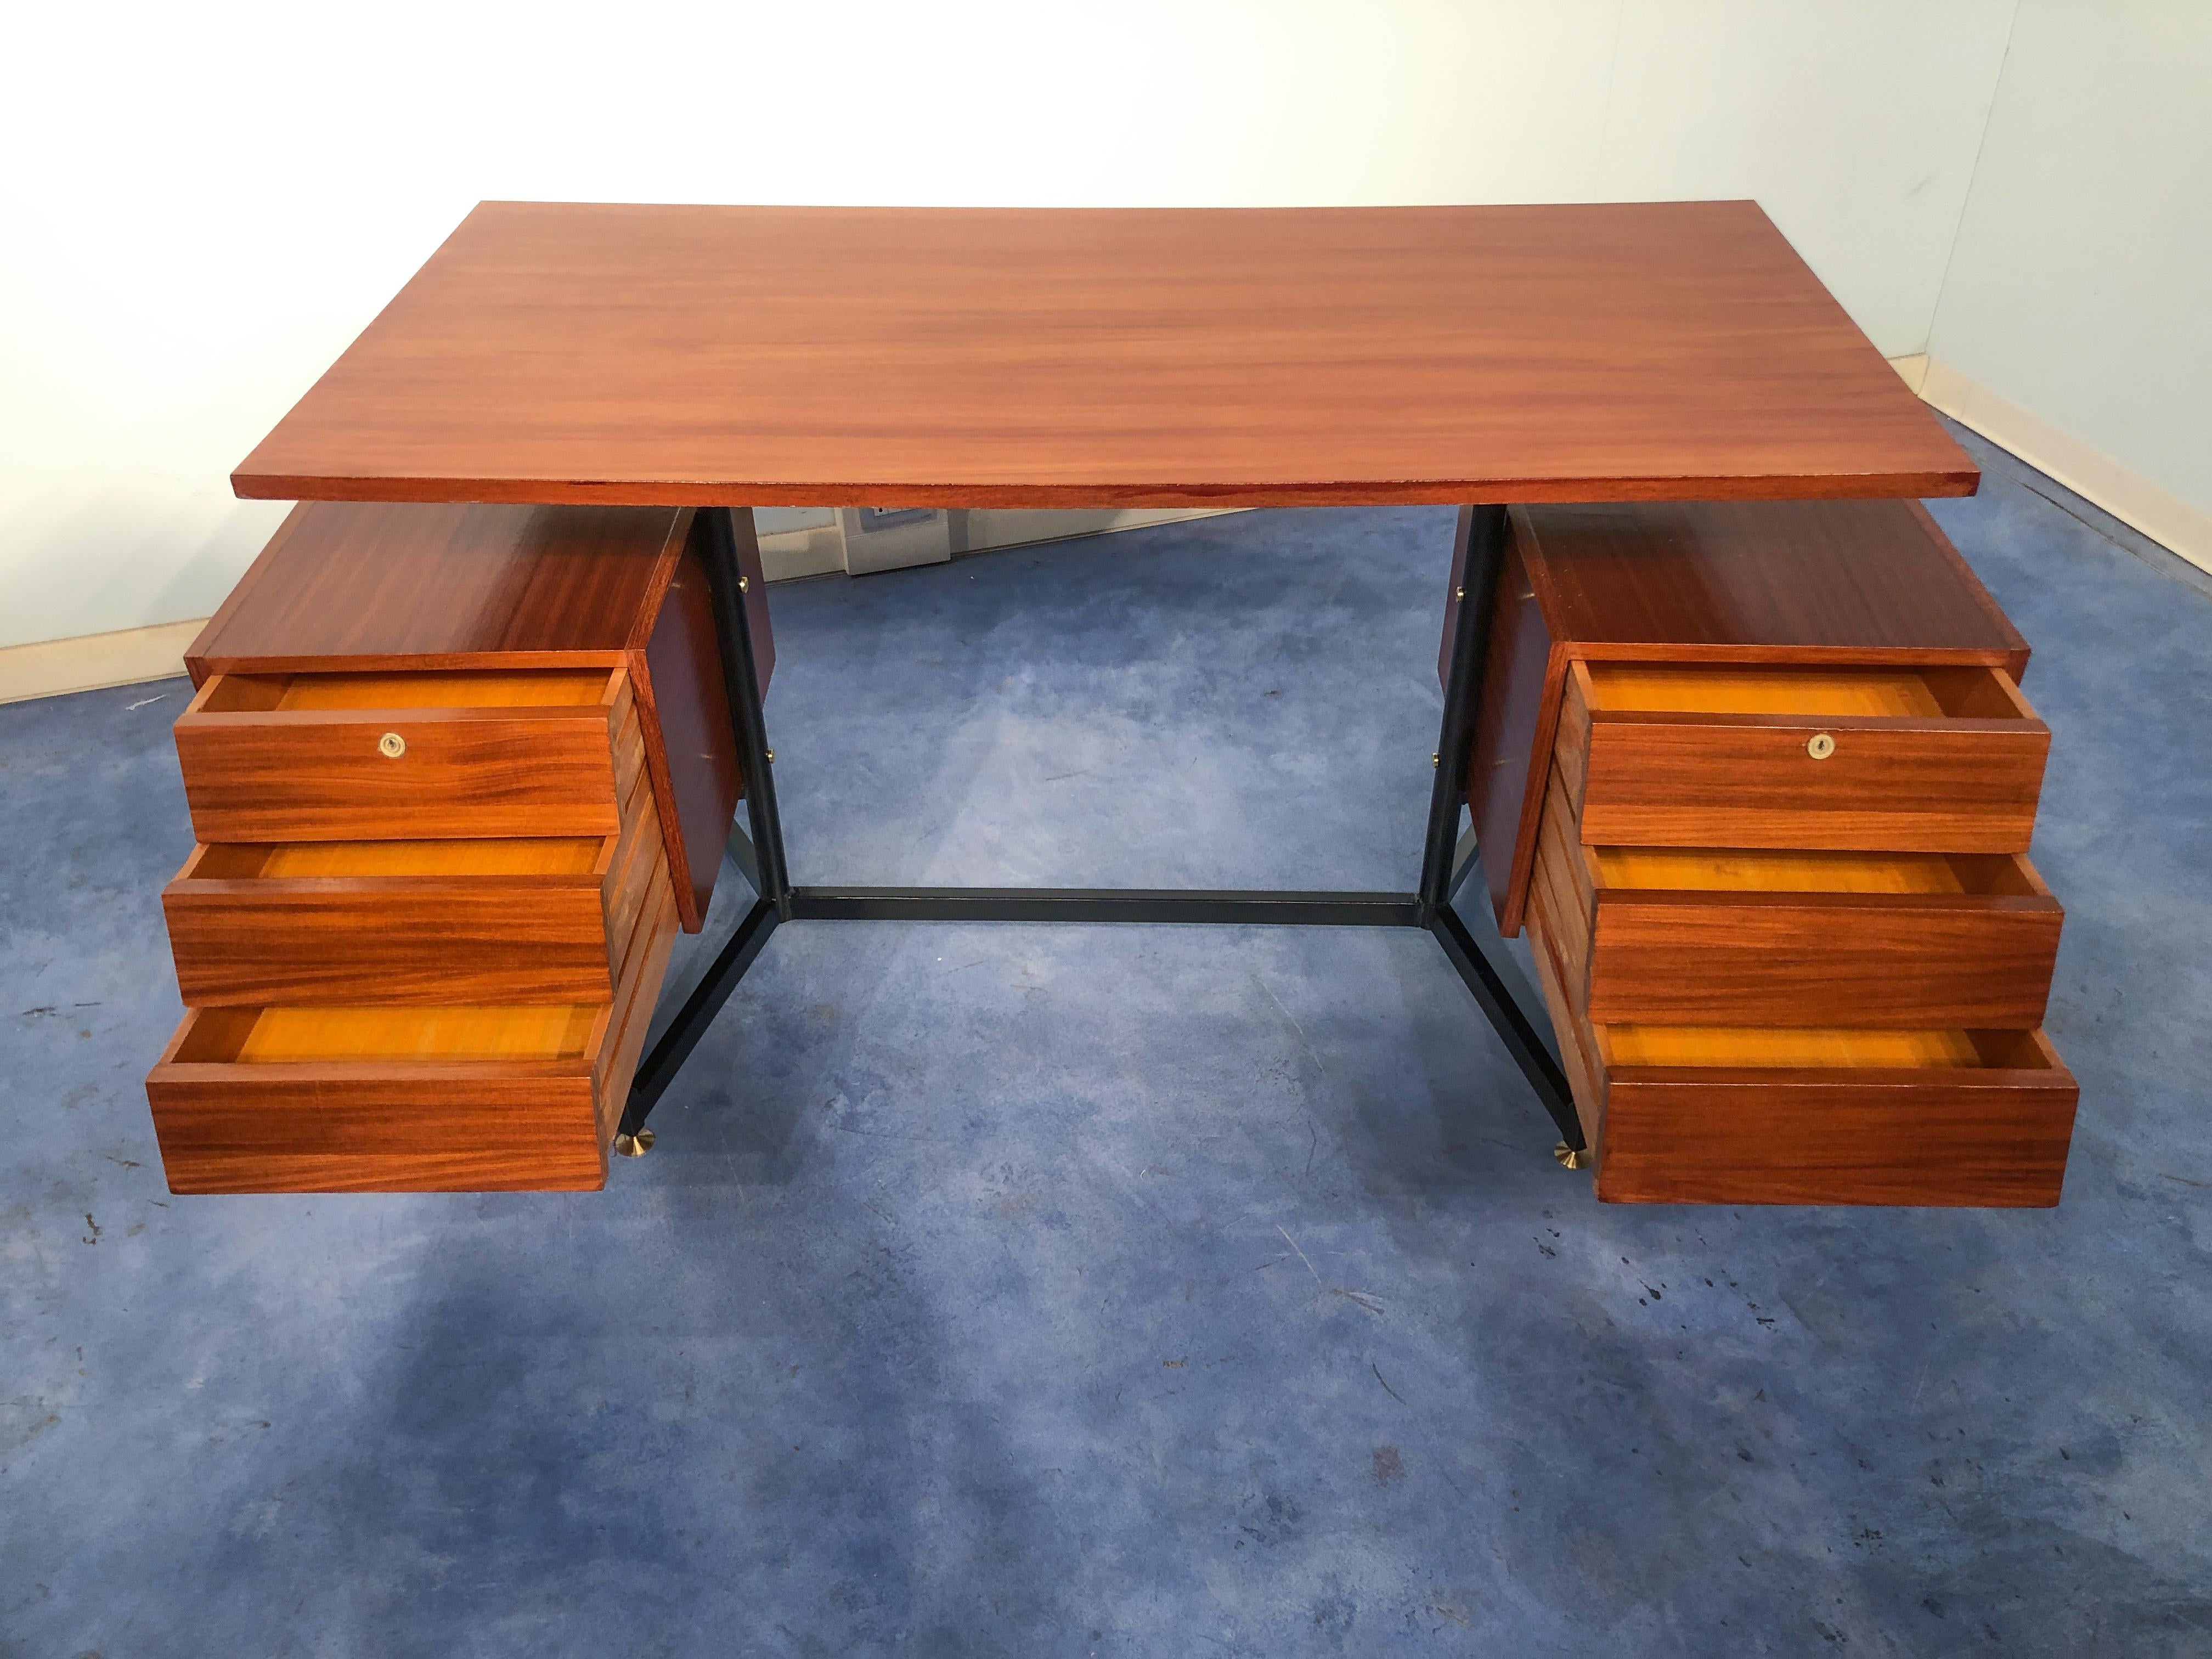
(658, 1069)
(1505, 999)
(1481, 958)
(741, 684)
(1478, 954)
(761, 857)
(1292, 909)
(1484, 527)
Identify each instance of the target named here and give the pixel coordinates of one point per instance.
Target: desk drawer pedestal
(457, 776)
(1776, 888)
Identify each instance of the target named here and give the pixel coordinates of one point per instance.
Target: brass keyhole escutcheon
(392, 745)
(1820, 745)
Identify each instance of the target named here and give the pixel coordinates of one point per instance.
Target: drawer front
(362, 756)
(1742, 938)
(1996, 1139)
(533, 919)
(1667, 958)
(1928, 781)
(428, 940)
(1710, 782)
(313, 1129)
(310, 777)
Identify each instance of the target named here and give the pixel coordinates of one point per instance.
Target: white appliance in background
(893, 538)
(813, 541)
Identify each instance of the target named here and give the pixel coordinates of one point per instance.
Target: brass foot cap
(1572, 1157)
(637, 1145)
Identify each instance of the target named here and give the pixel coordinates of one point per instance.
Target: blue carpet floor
(1035, 1291)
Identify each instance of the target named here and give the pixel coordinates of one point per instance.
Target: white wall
(2081, 292)
(202, 205)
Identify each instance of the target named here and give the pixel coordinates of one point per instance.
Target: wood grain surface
(1578, 1054)
(411, 585)
(336, 685)
(382, 604)
(463, 1127)
(650, 944)
(1688, 780)
(1934, 782)
(1796, 939)
(491, 855)
(1792, 939)
(463, 774)
(1777, 589)
(1033, 357)
(1750, 1115)
(1775, 581)
(395, 939)
(1843, 958)
(385, 1098)
(1951, 1134)
(283, 775)
(363, 929)
(1703, 869)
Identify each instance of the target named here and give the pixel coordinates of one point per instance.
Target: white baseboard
(1913, 368)
(2180, 526)
(47, 668)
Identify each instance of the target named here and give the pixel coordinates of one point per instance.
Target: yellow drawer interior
(271, 1036)
(1937, 693)
(460, 689)
(495, 855)
(1817, 1048)
(1719, 870)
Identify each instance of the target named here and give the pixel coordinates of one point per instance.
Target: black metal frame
(1478, 952)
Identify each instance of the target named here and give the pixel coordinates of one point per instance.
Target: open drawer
(1682, 1114)
(1662, 935)
(385, 1098)
(1760, 1115)
(1915, 759)
(345, 757)
(494, 920)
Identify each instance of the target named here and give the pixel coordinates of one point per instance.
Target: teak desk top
(1048, 357)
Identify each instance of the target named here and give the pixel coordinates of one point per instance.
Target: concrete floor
(1033, 1291)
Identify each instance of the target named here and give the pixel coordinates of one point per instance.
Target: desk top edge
(249, 485)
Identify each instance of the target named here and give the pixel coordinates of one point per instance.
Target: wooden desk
(725, 357)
